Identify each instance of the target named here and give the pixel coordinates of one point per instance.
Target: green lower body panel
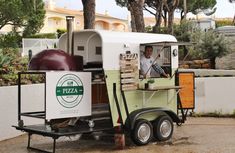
(138, 99)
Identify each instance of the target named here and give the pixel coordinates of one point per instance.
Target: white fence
(37, 45)
(215, 94)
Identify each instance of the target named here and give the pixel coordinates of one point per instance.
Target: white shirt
(145, 64)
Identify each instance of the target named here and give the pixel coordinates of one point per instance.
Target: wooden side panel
(187, 95)
(99, 94)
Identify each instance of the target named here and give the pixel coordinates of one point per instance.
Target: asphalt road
(197, 135)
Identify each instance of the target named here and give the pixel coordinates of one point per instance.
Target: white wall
(215, 94)
(212, 94)
(32, 100)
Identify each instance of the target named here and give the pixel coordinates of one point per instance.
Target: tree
(170, 6)
(232, 1)
(210, 45)
(162, 9)
(11, 13)
(136, 9)
(197, 5)
(28, 14)
(35, 18)
(155, 7)
(183, 33)
(89, 14)
(124, 3)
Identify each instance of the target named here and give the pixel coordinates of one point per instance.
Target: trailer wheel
(142, 133)
(163, 128)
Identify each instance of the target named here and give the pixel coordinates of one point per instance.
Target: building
(55, 18)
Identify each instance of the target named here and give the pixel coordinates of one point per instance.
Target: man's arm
(159, 70)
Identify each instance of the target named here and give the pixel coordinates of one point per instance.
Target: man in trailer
(149, 66)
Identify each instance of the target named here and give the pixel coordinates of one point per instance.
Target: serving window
(160, 62)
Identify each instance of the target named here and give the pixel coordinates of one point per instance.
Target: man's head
(148, 51)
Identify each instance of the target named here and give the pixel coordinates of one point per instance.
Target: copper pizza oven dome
(52, 59)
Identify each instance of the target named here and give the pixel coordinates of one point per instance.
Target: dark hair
(148, 47)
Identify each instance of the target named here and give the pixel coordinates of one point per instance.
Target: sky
(224, 8)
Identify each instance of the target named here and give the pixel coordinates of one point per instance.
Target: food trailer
(108, 92)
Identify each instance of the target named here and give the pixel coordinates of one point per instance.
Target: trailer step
(101, 118)
(100, 106)
(101, 113)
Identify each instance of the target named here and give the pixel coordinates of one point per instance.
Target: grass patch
(218, 114)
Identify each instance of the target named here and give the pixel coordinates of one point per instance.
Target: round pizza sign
(69, 90)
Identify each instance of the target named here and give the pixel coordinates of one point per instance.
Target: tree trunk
(133, 27)
(158, 18)
(170, 8)
(89, 14)
(165, 18)
(137, 7)
(181, 15)
(212, 62)
(170, 22)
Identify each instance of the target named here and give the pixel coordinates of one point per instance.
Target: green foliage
(151, 81)
(183, 31)
(44, 35)
(216, 113)
(27, 14)
(210, 44)
(11, 12)
(10, 58)
(10, 64)
(122, 3)
(35, 16)
(220, 23)
(60, 32)
(197, 5)
(10, 40)
(149, 29)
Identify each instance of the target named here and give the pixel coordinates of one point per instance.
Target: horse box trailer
(108, 92)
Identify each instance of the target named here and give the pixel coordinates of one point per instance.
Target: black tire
(163, 128)
(142, 133)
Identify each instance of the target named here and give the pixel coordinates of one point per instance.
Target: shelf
(161, 88)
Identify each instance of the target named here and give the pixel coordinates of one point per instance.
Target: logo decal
(69, 90)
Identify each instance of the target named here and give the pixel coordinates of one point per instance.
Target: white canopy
(112, 45)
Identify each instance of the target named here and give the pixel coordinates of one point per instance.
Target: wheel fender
(137, 113)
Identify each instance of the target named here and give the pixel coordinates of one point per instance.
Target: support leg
(54, 145)
(29, 140)
(40, 150)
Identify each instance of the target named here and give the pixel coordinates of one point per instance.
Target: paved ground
(198, 135)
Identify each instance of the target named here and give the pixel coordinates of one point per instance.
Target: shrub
(10, 40)
(44, 35)
(60, 32)
(10, 64)
(210, 45)
(221, 23)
